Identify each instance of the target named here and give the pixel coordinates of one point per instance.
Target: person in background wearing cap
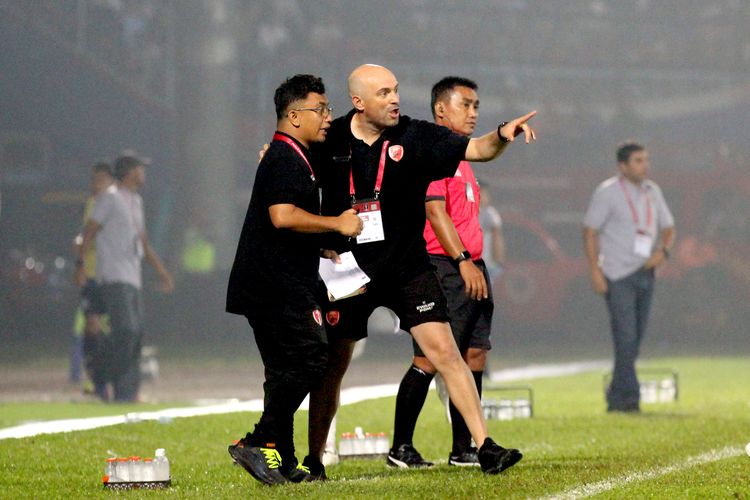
(91, 311)
(118, 226)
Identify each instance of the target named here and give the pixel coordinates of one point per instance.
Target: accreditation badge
(372, 220)
(643, 244)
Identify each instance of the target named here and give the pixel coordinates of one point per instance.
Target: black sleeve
(282, 180)
(440, 150)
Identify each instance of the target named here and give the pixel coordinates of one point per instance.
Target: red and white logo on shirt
(396, 152)
(332, 317)
(318, 317)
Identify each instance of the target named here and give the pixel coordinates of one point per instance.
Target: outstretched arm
(491, 145)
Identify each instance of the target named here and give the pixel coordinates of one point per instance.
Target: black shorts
(471, 320)
(415, 301)
(91, 299)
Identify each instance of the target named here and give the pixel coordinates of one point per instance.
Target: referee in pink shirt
(454, 243)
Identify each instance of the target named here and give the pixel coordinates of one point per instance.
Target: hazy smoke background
(189, 83)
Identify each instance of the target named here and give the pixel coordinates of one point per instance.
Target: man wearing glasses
(274, 277)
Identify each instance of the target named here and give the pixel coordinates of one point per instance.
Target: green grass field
(689, 449)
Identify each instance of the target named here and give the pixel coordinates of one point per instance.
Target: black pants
(124, 305)
(293, 347)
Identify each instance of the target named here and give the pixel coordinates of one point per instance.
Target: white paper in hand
(344, 279)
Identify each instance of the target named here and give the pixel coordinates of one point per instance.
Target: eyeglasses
(324, 111)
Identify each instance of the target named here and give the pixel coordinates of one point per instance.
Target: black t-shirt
(429, 152)
(272, 266)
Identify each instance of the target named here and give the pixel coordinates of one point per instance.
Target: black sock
(411, 396)
(461, 434)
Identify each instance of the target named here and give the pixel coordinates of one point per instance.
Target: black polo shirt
(274, 267)
(430, 152)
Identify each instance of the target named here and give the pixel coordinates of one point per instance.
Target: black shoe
(316, 469)
(494, 459)
(467, 458)
(406, 457)
(244, 442)
(262, 463)
(296, 472)
(624, 407)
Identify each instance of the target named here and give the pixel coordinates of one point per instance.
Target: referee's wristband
(465, 255)
(499, 135)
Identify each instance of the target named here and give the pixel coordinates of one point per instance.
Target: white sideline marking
(548, 371)
(348, 396)
(592, 489)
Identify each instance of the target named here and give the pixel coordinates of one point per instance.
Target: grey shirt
(119, 247)
(610, 214)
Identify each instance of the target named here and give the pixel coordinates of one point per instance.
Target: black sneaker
(316, 469)
(406, 457)
(467, 458)
(262, 463)
(494, 459)
(296, 473)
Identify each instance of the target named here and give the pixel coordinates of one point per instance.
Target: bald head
(367, 75)
(374, 93)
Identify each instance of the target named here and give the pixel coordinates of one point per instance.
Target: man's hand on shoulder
(262, 151)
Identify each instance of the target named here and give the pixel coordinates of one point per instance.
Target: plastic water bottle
(521, 408)
(346, 444)
(667, 390)
(136, 469)
(359, 441)
(123, 469)
(382, 445)
(110, 471)
(148, 470)
(161, 465)
(505, 410)
(369, 444)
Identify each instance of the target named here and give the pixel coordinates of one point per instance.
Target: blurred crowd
(128, 35)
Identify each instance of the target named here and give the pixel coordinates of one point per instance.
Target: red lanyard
(293, 145)
(633, 211)
(378, 179)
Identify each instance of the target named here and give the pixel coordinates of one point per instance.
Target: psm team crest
(317, 316)
(332, 317)
(396, 152)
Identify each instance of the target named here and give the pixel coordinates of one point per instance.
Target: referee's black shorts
(470, 320)
(415, 300)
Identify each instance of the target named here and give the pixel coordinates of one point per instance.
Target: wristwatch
(665, 250)
(502, 139)
(465, 255)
